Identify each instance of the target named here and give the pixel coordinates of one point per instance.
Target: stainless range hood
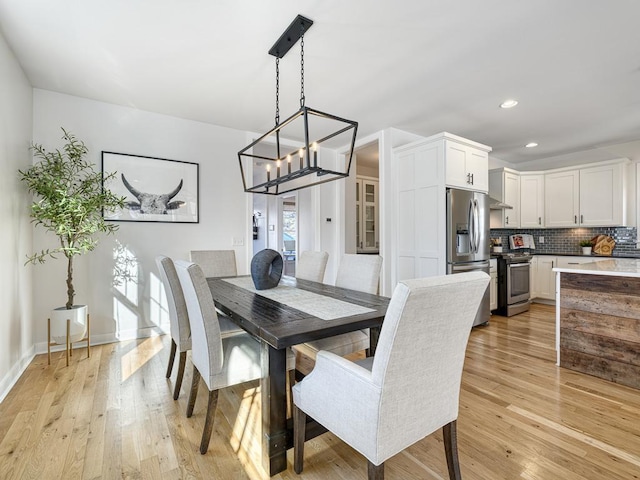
(497, 204)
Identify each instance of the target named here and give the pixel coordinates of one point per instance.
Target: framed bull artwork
(155, 189)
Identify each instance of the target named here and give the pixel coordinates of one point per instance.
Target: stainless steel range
(513, 283)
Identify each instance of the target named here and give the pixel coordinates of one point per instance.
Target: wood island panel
(600, 326)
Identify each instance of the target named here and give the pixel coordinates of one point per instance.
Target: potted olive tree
(69, 199)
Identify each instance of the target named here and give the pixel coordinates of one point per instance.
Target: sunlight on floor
(138, 356)
(247, 431)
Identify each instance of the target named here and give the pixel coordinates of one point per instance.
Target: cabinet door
(493, 291)
(466, 167)
(601, 196)
(533, 277)
(512, 197)
(369, 222)
(561, 199)
(456, 166)
(531, 201)
(478, 166)
(545, 277)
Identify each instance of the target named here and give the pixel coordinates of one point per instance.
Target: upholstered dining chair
(216, 263)
(311, 265)
(356, 272)
(178, 319)
(383, 404)
(221, 361)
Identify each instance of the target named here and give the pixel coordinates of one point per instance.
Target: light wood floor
(521, 417)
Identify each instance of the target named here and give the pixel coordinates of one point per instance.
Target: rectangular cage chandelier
(289, 156)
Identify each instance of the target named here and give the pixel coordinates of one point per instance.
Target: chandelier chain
(302, 66)
(277, 91)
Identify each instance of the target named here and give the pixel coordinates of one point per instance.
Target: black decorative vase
(266, 269)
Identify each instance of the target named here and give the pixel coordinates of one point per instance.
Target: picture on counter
(518, 242)
(155, 189)
(521, 241)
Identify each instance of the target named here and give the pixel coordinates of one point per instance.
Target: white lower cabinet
(493, 284)
(543, 284)
(544, 280)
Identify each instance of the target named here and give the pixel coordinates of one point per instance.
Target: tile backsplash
(567, 240)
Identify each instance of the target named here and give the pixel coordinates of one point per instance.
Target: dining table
(294, 312)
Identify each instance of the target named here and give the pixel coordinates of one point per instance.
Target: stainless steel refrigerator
(468, 238)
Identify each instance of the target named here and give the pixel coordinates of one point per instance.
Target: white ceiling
(423, 66)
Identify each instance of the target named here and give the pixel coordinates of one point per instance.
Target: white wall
(16, 325)
(223, 212)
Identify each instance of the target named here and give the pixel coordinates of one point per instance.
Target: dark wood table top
(282, 326)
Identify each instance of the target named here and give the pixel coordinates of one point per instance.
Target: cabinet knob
(472, 179)
(581, 218)
(506, 220)
(575, 219)
(539, 220)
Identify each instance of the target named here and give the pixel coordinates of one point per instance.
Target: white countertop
(619, 267)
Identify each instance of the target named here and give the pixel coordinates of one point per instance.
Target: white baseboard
(12, 376)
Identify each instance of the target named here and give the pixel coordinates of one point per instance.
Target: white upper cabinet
(602, 196)
(562, 196)
(504, 185)
(587, 197)
(467, 166)
(532, 200)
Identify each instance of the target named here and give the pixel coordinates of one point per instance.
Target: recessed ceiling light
(531, 145)
(508, 104)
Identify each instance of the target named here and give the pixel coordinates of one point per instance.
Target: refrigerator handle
(470, 228)
(476, 224)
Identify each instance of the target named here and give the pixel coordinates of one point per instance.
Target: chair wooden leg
(375, 472)
(299, 427)
(292, 381)
(194, 391)
(181, 364)
(172, 356)
(208, 424)
(450, 435)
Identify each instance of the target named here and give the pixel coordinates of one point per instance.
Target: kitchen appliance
(468, 238)
(513, 283)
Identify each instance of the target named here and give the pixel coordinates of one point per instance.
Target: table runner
(325, 308)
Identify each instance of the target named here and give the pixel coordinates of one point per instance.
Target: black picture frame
(156, 189)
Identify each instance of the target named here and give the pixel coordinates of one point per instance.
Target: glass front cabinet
(367, 232)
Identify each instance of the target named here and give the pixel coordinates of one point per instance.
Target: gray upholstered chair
(410, 387)
(359, 272)
(178, 319)
(311, 265)
(356, 272)
(221, 361)
(216, 263)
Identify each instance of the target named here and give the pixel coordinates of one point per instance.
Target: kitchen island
(598, 319)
